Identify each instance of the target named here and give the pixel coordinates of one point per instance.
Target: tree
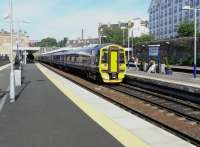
(48, 42)
(63, 42)
(186, 29)
(113, 35)
(143, 38)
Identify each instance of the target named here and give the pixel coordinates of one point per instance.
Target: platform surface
(143, 130)
(43, 117)
(180, 80)
(52, 111)
(4, 79)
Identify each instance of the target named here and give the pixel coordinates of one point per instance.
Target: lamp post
(104, 38)
(100, 35)
(100, 29)
(123, 29)
(195, 36)
(132, 41)
(12, 82)
(130, 24)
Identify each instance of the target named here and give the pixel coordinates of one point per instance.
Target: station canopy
(27, 48)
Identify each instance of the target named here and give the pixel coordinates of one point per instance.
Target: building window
(180, 17)
(180, 7)
(175, 19)
(170, 20)
(175, 9)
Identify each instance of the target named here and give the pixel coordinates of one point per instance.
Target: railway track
(184, 125)
(188, 110)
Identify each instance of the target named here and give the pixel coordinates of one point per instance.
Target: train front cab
(112, 64)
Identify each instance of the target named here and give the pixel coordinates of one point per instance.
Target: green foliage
(188, 61)
(48, 42)
(167, 62)
(63, 42)
(186, 29)
(198, 60)
(114, 35)
(142, 39)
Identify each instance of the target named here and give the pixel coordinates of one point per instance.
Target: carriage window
(67, 58)
(121, 60)
(104, 57)
(97, 58)
(62, 58)
(72, 58)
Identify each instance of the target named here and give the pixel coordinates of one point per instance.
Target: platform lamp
(100, 30)
(19, 22)
(123, 31)
(130, 25)
(195, 36)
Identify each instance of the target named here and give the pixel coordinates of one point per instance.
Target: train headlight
(105, 76)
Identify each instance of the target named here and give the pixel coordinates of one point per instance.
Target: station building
(165, 15)
(20, 37)
(139, 27)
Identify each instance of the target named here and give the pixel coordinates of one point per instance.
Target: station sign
(154, 51)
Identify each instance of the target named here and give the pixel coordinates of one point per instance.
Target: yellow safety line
(121, 134)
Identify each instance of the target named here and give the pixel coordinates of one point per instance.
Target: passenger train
(103, 63)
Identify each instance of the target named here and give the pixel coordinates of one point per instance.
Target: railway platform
(4, 79)
(178, 80)
(52, 111)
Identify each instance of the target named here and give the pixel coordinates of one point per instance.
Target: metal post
(128, 44)
(195, 43)
(132, 41)
(123, 38)
(99, 39)
(12, 82)
(25, 57)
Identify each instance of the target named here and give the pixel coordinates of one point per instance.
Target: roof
(77, 49)
(27, 48)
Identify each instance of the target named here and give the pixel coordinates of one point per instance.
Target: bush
(188, 61)
(198, 60)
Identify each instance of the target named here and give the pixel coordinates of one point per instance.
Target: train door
(114, 61)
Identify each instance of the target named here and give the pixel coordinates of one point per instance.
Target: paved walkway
(4, 80)
(177, 77)
(128, 128)
(54, 114)
(43, 117)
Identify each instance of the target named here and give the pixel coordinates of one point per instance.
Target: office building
(165, 15)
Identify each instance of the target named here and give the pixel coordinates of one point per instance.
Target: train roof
(77, 50)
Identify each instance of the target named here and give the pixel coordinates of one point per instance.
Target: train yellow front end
(112, 65)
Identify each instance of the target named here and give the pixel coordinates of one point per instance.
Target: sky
(66, 18)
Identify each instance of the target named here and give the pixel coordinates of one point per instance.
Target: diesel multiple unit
(103, 63)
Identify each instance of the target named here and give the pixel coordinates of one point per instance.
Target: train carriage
(101, 62)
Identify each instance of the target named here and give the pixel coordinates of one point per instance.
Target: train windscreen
(105, 57)
(121, 57)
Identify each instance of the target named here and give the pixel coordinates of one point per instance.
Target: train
(103, 63)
